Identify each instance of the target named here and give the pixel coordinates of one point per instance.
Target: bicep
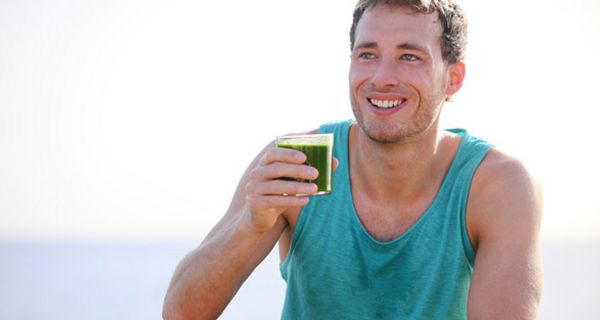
(506, 210)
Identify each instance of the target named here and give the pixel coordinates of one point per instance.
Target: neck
(402, 172)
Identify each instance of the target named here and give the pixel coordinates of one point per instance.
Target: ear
(456, 77)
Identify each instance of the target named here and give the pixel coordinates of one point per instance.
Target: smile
(386, 104)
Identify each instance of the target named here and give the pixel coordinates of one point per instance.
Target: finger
(283, 187)
(277, 201)
(283, 155)
(336, 163)
(280, 170)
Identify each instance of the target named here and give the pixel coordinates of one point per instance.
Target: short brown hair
(450, 15)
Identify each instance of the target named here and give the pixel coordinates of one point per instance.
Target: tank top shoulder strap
(469, 156)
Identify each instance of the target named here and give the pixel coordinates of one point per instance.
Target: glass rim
(306, 139)
(308, 135)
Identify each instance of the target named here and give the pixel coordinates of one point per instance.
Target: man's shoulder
(503, 194)
(499, 170)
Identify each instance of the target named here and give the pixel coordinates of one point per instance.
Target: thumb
(336, 163)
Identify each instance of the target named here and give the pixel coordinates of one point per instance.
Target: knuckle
(253, 188)
(252, 201)
(249, 188)
(254, 173)
(271, 155)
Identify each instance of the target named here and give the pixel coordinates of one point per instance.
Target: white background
(135, 119)
(132, 120)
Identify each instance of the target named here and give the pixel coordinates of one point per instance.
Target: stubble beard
(386, 133)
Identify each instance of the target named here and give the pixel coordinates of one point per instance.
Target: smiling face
(398, 78)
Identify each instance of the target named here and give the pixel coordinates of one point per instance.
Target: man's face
(398, 79)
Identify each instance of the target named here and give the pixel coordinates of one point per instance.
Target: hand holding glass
(318, 149)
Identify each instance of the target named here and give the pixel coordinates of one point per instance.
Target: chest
(384, 222)
(335, 267)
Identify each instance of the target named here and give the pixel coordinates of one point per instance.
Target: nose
(385, 75)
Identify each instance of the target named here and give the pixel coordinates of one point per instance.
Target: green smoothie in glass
(318, 149)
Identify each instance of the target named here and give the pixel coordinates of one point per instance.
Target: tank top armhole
(472, 151)
(479, 150)
(466, 240)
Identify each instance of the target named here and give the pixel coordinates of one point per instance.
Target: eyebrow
(407, 46)
(411, 46)
(366, 45)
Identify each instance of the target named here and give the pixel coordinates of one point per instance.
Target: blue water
(100, 281)
(84, 281)
(93, 281)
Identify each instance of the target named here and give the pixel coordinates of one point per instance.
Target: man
(422, 223)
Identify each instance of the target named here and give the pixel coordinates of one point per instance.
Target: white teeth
(386, 103)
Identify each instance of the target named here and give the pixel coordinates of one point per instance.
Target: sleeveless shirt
(336, 270)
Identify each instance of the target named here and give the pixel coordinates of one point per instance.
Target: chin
(389, 133)
(383, 134)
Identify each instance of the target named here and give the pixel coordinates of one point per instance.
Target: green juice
(319, 154)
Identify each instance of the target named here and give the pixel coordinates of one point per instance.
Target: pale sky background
(134, 119)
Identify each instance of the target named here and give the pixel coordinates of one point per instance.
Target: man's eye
(366, 55)
(409, 57)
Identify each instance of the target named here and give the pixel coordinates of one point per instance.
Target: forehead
(384, 23)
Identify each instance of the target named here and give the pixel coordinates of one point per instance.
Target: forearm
(207, 278)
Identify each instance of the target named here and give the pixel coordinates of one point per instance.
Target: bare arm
(504, 215)
(208, 277)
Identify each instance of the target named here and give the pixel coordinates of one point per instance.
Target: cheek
(356, 79)
(426, 84)
(352, 76)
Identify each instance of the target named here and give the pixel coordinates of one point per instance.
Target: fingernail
(314, 188)
(315, 173)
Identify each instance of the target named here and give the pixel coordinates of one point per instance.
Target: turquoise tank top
(336, 270)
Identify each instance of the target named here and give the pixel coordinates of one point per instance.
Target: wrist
(247, 227)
